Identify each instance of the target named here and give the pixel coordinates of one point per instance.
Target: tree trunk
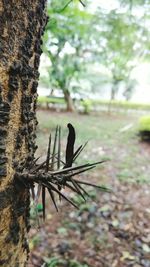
(21, 26)
(69, 101)
(113, 93)
(114, 90)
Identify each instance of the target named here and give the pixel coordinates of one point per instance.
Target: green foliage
(74, 263)
(87, 105)
(58, 262)
(144, 128)
(62, 231)
(48, 100)
(144, 123)
(35, 241)
(53, 262)
(125, 175)
(119, 36)
(122, 104)
(75, 39)
(66, 36)
(130, 85)
(44, 81)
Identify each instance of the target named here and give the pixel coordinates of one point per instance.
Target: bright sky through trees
(142, 71)
(115, 47)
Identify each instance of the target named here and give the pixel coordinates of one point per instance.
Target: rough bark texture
(21, 26)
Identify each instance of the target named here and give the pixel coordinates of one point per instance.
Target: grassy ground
(115, 104)
(111, 229)
(113, 137)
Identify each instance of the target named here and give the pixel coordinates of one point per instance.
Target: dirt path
(111, 230)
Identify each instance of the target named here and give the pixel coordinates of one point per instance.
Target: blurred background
(95, 74)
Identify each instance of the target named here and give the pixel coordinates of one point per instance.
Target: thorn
(34, 162)
(84, 191)
(53, 198)
(81, 171)
(77, 188)
(38, 167)
(43, 201)
(72, 188)
(71, 169)
(59, 147)
(38, 193)
(103, 188)
(33, 193)
(76, 152)
(59, 152)
(75, 155)
(54, 148)
(48, 153)
(70, 145)
(62, 195)
(60, 160)
(79, 152)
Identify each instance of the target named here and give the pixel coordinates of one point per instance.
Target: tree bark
(21, 26)
(69, 101)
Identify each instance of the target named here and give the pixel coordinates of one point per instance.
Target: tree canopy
(78, 37)
(65, 42)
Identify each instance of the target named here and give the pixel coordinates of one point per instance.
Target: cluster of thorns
(54, 174)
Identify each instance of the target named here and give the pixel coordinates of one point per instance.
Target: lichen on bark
(21, 27)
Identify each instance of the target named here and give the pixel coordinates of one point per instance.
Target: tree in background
(129, 88)
(120, 38)
(76, 39)
(65, 42)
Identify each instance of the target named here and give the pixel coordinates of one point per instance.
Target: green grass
(54, 100)
(122, 104)
(144, 128)
(58, 262)
(144, 123)
(88, 104)
(106, 140)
